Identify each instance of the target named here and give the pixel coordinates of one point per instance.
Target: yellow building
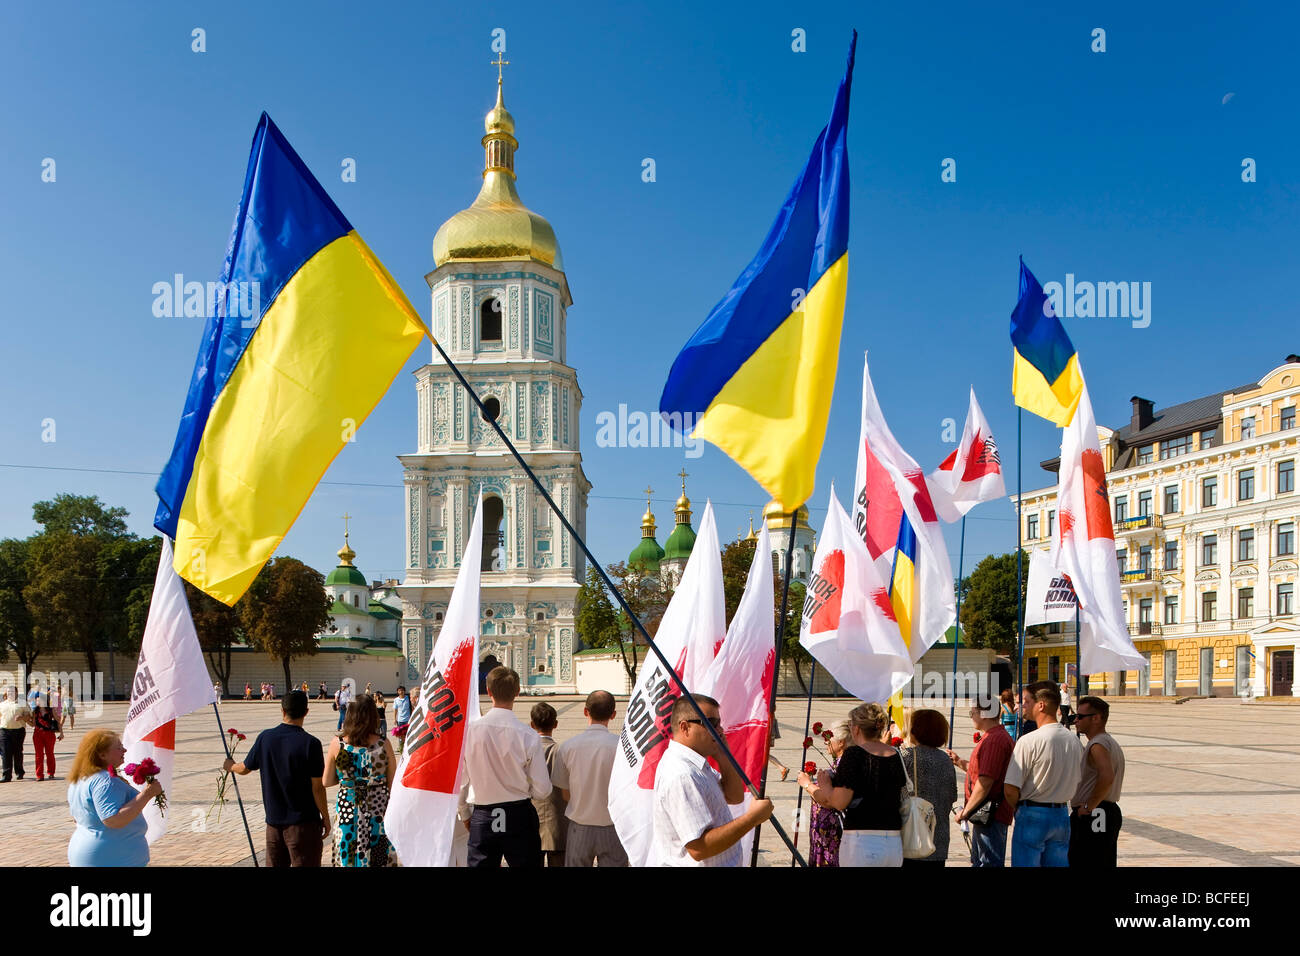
(1203, 496)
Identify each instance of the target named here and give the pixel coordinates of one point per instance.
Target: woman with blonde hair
(867, 788)
(110, 828)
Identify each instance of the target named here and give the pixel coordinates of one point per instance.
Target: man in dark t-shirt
(292, 765)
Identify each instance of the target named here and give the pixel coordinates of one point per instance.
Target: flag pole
(1078, 659)
(1020, 591)
(718, 737)
(807, 722)
(776, 670)
(234, 777)
(956, 636)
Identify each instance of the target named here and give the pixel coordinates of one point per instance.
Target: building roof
(680, 542)
(347, 575)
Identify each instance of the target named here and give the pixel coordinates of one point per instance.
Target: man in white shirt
(693, 825)
(504, 771)
(15, 717)
(582, 768)
(344, 696)
(1041, 779)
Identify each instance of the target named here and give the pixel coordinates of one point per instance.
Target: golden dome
(345, 553)
(648, 523)
(776, 518)
(497, 225)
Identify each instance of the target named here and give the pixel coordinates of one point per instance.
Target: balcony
(1139, 523)
(1137, 576)
(1148, 629)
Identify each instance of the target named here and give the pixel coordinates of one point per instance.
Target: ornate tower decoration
(500, 301)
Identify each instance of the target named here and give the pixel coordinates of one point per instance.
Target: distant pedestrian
(1095, 819)
(342, 697)
(581, 772)
(1065, 704)
(401, 717)
(15, 718)
(773, 735)
(292, 765)
(216, 689)
(248, 692)
(1042, 777)
(550, 809)
(1007, 711)
(381, 706)
(505, 770)
(323, 692)
(46, 727)
(69, 701)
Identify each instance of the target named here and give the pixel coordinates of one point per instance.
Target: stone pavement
(1208, 783)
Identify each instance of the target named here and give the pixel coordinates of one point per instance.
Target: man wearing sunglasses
(693, 824)
(1095, 818)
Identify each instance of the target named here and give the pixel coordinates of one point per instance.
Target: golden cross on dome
(499, 62)
(648, 492)
(346, 518)
(683, 476)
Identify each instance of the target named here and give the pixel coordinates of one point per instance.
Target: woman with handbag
(934, 776)
(868, 788)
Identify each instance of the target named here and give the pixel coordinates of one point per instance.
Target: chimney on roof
(1143, 413)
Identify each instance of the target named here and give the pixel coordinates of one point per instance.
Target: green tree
(736, 560)
(218, 629)
(598, 623)
(127, 568)
(284, 610)
(988, 610)
(793, 650)
(63, 593)
(17, 629)
(648, 596)
(80, 515)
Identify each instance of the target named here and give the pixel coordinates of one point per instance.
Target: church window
(493, 549)
(356, 601)
(490, 320)
(491, 410)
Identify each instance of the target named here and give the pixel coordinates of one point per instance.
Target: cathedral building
(500, 299)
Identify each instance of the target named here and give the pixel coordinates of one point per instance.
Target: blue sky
(1122, 165)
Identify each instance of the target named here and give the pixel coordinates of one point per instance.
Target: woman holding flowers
(110, 829)
(360, 762)
(825, 826)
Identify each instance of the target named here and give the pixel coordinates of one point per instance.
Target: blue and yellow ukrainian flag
(902, 596)
(1045, 376)
(757, 376)
(276, 394)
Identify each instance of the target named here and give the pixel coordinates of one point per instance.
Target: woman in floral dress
(824, 823)
(360, 762)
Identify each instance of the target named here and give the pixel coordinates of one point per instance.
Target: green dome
(346, 574)
(679, 543)
(647, 554)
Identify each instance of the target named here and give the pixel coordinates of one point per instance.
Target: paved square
(1208, 783)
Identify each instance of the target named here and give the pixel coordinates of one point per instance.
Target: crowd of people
(531, 801)
(45, 711)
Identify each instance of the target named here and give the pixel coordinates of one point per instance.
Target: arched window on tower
(489, 324)
(494, 550)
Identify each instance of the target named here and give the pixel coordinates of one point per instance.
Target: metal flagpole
(718, 737)
(807, 722)
(1020, 591)
(776, 670)
(234, 777)
(1079, 689)
(956, 637)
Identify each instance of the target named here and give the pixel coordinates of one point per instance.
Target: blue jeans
(988, 844)
(1041, 836)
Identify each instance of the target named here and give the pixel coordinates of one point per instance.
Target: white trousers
(871, 848)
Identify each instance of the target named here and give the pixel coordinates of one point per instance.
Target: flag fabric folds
(308, 332)
(972, 474)
(848, 623)
(740, 677)
(171, 680)
(1049, 595)
(757, 375)
(1084, 548)
(921, 581)
(690, 634)
(421, 814)
(1045, 377)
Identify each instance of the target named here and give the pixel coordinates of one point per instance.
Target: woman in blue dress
(110, 828)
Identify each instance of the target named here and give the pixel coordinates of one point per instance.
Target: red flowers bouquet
(810, 768)
(895, 741)
(219, 802)
(977, 737)
(400, 731)
(145, 772)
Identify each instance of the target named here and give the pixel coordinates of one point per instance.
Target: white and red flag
(170, 681)
(421, 816)
(848, 625)
(972, 473)
(740, 677)
(1049, 595)
(924, 582)
(1084, 548)
(690, 634)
